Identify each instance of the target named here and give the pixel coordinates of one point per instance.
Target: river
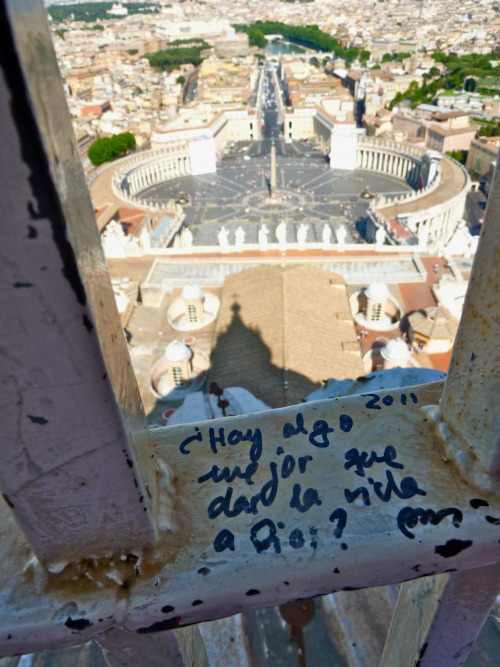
(280, 48)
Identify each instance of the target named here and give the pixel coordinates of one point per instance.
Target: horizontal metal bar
(276, 506)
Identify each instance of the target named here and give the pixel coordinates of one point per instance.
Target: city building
(482, 156)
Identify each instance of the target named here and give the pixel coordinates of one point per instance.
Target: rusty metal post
(77, 467)
(470, 399)
(440, 617)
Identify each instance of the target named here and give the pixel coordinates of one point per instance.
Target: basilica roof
(282, 331)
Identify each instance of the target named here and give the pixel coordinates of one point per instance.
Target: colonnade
(438, 223)
(389, 162)
(152, 173)
(435, 222)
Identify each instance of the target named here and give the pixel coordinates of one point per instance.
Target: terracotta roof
(131, 215)
(435, 323)
(274, 318)
(400, 230)
(445, 115)
(446, 132)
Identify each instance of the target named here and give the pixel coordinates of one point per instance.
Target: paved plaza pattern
(307, 191)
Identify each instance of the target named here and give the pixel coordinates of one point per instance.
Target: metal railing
(114, 532)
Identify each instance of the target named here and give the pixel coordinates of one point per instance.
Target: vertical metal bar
(470, 398)
(437, 619)
(77, 467)
(178, 648)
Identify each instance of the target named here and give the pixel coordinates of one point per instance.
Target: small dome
(192, 292)
(377, 291)
(396, 350)
(177, 351)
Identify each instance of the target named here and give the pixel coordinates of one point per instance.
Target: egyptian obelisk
(273, 170)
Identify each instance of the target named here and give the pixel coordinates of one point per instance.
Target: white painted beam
(77, 467)
(327, 496)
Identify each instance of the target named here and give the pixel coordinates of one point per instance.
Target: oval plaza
(321, 185)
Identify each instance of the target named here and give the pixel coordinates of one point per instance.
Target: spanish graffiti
(250, 476)
(409, 517)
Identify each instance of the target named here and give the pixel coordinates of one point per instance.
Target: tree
(459, 155)
(256, 38)
(90, 12)
(181, 79)
(170, 58)
(402, 56)
(439, 56)
(364, 57)
(350, 55)
(489, 130)
(454, 81)
(386, 58)
(310, 35)
(107, 149)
